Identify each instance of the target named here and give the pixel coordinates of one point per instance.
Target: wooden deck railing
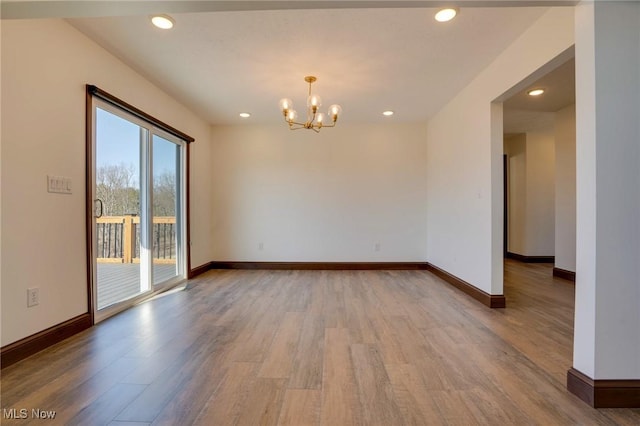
(119, 239)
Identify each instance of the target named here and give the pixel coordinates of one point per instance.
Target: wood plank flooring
(319, 348)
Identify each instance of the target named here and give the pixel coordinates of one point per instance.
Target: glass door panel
(118, 195)
(166, 235)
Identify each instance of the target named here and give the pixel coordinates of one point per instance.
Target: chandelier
(315, 120)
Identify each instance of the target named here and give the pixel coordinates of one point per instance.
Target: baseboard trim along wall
(604, 393)
(335, 266)
(28, 346)
(531, 259)
(199, 270)
(490, 300)
(563, 273)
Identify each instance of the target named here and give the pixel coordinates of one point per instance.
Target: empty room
(320, 213)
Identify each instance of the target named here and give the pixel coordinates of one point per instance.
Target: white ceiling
(367, 60)
(560, 91)
(524, 113)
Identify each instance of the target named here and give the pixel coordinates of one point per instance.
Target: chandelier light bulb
(292, 115)
(320, 118)
(314, 102)
(335, 111)
(285, 105)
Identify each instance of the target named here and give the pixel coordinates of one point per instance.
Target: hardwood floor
(319, 348)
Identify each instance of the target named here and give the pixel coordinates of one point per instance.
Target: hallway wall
(565, 214)
(464, 218)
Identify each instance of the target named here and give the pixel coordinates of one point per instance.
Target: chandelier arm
(294, 123)
(291, 123)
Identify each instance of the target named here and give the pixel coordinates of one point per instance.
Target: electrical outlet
(33, 297)
(260, 246)
(376, 247)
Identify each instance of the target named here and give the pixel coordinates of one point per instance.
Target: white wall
(606, 340)
(328, 197)
(0, 185)
(45, 66)
(515, 148)
(531, 193)
(540, 193)
(464, 158)
(565, 216)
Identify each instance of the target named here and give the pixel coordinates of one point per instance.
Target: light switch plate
(58, 184)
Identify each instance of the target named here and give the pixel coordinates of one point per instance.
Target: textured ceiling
(367, 60)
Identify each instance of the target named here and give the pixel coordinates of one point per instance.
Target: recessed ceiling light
(535, 92)
(245, 115)
(445, 15)
(387, 113)
(162, 21)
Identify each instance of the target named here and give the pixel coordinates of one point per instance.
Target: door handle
(98, 200)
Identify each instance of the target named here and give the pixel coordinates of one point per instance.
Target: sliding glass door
(167, 264)
(138, 209)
